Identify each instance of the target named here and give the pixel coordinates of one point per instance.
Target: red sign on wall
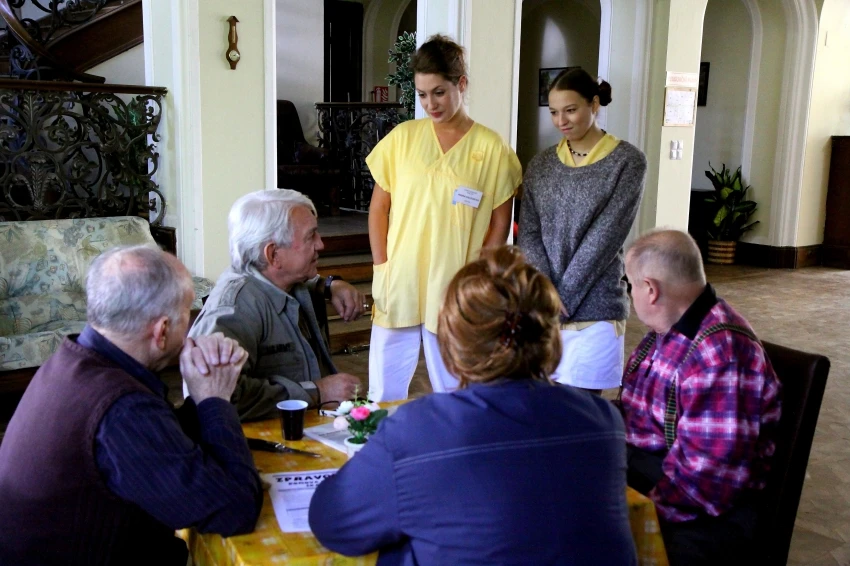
(382, 93)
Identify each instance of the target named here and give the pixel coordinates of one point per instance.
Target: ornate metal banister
(24, 57)
(71, 150)
(350, 130)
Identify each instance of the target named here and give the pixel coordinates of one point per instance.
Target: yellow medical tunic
(430, 238)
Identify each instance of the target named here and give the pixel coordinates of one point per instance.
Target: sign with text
(684, 80)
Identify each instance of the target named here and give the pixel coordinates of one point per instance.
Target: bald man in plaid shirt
(701, 404)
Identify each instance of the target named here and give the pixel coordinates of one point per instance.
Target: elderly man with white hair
(701, 405)
(96, 467)
(267, 302)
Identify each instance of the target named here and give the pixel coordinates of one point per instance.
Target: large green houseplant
(730, 214)
(401, 54)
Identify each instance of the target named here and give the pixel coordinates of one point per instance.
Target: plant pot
(351, 448)
(721, 252)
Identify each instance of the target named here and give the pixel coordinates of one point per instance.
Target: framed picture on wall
(702, 91)
(546, 77)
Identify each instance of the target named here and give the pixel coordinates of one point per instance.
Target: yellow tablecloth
(269, 545)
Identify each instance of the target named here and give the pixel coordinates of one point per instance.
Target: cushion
(30, 313)
(53, 256)
(32, 350)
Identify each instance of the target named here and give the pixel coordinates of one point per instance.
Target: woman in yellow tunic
(444, 188)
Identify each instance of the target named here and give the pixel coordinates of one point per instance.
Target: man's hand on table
(347, 300)
(211, 365)
(337, 387)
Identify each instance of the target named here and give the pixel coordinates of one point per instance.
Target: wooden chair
(803, 377)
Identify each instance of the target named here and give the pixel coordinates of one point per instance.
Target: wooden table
(269, 545)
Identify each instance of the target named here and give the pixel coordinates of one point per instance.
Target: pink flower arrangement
(360, 413)
(360, 417)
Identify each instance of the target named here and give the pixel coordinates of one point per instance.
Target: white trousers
(393, 356)
(592, 358)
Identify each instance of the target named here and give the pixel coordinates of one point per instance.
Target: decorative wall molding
(394, 27)
(421, 31)
(800, 49)
(270, 70)
(171, 59)
(752, 86)
(606, 32)
(369, 18)
(189, 155)
(515, 78)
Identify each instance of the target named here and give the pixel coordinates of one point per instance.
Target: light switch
(674, 145)
(672, 154)
(679, 153)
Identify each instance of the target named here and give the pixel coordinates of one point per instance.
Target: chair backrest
(803, 377)
(289, 132)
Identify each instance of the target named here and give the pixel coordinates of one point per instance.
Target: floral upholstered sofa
(43, 265)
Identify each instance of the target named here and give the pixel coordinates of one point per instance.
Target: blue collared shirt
(186, 468)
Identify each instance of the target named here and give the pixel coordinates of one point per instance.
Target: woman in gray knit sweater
(580, 200)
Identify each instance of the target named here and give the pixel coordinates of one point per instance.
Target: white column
(218, 140)
(440, 16)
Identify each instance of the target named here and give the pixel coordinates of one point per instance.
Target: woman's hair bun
(604, 92)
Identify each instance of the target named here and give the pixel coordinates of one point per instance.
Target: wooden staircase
(348, 256)
(74, 49)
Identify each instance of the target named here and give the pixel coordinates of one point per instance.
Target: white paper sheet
(328, 435)
(291, 493)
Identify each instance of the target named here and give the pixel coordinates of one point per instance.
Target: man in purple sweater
(96, 467)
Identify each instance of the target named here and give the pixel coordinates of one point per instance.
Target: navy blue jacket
(510, 473)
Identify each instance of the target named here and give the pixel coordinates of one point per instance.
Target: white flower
(345, 407)
(373, 407)
(340, 423)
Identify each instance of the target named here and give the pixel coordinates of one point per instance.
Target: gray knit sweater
(574, 222)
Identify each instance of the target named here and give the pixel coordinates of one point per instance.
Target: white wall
(683, 45)
(489, 34)
(719, 137)
(829, 116)
(126, 68)
(379, 35)
(300, 31)
(555, 33)
(214, 123)
(762, 175)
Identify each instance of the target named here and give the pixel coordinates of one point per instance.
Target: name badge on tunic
(467, 196)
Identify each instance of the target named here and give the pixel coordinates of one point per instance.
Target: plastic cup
(292, 419)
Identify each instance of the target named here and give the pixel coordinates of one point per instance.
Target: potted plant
(401, 54)
(361, 418)
(730, 215)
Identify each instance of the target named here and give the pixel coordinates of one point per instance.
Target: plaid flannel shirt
(728, 409)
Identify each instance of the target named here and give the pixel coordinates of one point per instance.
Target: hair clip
(511, 328)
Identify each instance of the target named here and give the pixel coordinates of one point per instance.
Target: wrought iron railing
(27, 29)
(71, 150)
(349, 130)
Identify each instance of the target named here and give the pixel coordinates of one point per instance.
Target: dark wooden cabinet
(836, 233)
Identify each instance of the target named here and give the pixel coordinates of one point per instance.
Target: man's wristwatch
(328, 280)
(312, 390)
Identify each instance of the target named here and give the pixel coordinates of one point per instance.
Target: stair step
(353, 268)
(346, 244)
(364, 287)
(344, 259)
(349, 335)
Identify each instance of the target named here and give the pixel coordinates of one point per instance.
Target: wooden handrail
(19, 31)
(17, 84)
(359, 105)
